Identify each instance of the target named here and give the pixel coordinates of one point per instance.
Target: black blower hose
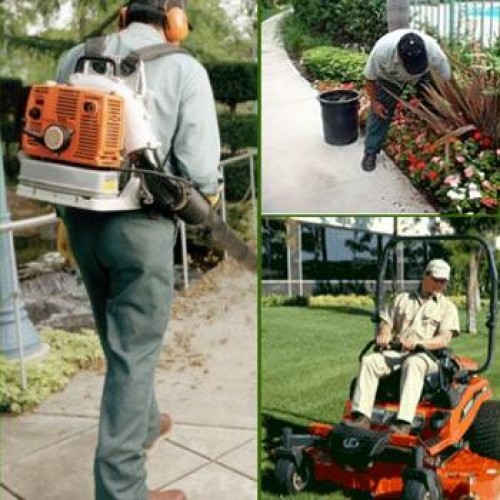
(174, 195)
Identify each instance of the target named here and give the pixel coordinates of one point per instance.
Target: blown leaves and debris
(192, 311)
(194, 308)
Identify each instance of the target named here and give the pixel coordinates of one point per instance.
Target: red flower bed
(460, 175)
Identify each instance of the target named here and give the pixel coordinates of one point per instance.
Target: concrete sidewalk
(207, 381)
(303, 174)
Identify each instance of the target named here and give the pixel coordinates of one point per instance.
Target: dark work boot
(369, 162)
(358, 420)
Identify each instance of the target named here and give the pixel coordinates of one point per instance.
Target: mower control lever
(393, 345)
(420, 348)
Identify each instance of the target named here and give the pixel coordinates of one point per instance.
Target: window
(274, 257)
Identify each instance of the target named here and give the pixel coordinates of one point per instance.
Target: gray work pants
(126, 261)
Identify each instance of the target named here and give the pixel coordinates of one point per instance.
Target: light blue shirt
(384, 63)
(180, 101)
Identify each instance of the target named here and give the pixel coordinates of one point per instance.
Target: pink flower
(469, 172)
(436, 159)
(487, 185)
(453, 180)
(460, 158)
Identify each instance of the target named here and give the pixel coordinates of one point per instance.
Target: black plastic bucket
(339, 111)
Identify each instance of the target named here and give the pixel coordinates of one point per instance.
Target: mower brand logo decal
(350, 443)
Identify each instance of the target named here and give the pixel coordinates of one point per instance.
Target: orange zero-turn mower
(453, 450)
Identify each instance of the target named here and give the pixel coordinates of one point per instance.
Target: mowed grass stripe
(309, 357)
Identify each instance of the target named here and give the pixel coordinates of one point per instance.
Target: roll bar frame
(493, 274)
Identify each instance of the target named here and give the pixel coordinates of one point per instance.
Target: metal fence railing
(10, 227)
(474, 21)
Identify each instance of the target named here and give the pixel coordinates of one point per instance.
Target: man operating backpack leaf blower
(128, 147)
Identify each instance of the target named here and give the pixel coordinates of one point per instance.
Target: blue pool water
(492, 12)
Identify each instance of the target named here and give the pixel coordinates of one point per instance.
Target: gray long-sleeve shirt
(180, 101)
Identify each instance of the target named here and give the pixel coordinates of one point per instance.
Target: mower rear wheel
(292, 479)
(415, 490)
(484, 434)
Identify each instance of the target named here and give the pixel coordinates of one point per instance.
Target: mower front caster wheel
(292, 479)
(415, 490)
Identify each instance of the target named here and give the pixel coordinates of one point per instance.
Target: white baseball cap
(439, 269)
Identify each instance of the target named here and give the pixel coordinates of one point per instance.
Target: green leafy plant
(238, 131)
(468, 101)
(233, 82)
(458, 174)
(334, 63)
(69, 353)
(350, 300)
(318, 301)
(240, 218)
(350, 23)
(283, 300)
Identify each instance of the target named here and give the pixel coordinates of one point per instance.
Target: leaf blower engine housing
(89, 144)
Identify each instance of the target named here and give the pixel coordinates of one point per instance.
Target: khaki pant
(414, 368)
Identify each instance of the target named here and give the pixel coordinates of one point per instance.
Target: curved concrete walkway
(303, 174)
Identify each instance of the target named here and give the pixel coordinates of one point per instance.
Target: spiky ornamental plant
(467, 102)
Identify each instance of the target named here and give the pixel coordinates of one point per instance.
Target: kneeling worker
(399, 58)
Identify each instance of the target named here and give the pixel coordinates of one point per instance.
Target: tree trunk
(398, 14)
(293, 228)
(82, 26)
(472, 292)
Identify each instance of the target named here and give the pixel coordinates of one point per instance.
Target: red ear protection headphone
(175, 24)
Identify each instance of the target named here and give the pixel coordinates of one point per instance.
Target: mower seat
(437, 386)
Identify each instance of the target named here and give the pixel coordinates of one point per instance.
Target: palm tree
(398, 14)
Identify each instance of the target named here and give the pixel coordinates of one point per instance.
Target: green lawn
(309, 357)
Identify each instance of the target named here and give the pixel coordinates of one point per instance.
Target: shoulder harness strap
(148, 53)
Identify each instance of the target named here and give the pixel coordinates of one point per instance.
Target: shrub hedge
(233, 82)
(350, 23)
(345, 300)
(237, 180)
(334, 63)
(319, 301)
(238, 131)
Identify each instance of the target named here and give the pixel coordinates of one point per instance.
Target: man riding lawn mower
(448, 446)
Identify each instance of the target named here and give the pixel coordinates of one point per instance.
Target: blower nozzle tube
(172, 195)
(198, 212)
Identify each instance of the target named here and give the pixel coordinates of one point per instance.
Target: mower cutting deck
(452, 452)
